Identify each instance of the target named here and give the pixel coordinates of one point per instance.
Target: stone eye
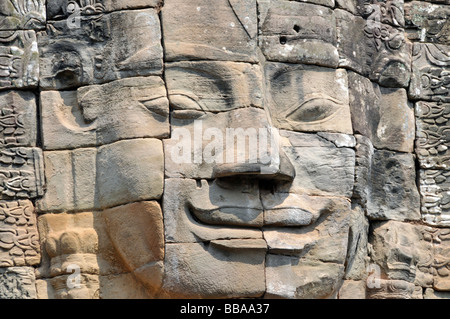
(314, 110)
(181, 100)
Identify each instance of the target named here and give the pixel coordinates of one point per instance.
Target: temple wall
(224, 149)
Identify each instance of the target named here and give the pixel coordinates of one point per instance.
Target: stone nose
(275, 166)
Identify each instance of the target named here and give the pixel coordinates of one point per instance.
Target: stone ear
(89, 101)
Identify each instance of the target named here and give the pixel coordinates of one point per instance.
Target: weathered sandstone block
(19, 63)
(100, 50)
(308, 98)
(428, 22)
(383, 115)
(430, 79)
(299, 32)
(17, 283)
(19, 238)
(22, 14)
(386, 183)
(220, 30)
(102, 114)
(18, 123)
(114, 174)
(213, 86)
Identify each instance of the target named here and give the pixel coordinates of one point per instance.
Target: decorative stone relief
(410, 255)
(19, 63)
(17, 283)
(21, 173)
(19, 239)
(94, 242)
(18, 125)
(22, 15)
(431, 79)
(432, 141)
(380, 51)
(57, 9)
(435, 198)
(427, 22)
(97, 51)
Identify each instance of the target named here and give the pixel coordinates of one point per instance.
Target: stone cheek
(319, 251)
(383, 115)
(96, 178)
(323, 167)
(195, 270)
(385, 183)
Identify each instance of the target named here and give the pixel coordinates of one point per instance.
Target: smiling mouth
(233, 228)
(229, 216)
(288, 217)
(253, 217)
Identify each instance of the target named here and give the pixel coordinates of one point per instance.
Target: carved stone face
(224, 148)
(253, 165)
(220, 213)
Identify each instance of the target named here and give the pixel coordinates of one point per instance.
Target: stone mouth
(289, 216)
(229, 216)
